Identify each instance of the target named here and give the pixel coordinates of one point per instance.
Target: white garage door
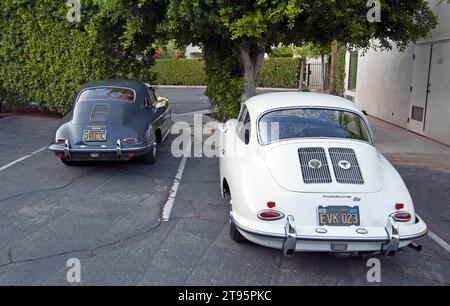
(419, 88)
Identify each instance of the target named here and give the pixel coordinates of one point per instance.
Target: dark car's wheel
(66, 162)
(150, 156)
(235, 234)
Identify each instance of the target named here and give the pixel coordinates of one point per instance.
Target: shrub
(44, 58)
(224, 85)
(279, 73)
(275, 72)
(180, 72)
(281, 51)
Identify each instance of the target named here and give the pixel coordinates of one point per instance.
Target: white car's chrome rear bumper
(394, 236)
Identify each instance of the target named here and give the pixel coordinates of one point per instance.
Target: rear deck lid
(331, 167)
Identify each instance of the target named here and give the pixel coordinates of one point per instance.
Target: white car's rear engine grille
(345, 166)
(99, 112)
(314, 166)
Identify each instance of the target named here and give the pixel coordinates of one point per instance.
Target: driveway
(108, 216)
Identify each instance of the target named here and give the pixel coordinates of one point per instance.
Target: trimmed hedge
(180, 72)
(279, 73)
(275, 72)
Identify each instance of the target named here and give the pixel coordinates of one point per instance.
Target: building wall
(384, 80)
(382, 85)
(192, 50)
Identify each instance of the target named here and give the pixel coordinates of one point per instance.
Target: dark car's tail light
(130, 140)
(402, 216)
(61, 140)
(270, 215)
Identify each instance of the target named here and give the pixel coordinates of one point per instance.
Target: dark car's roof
(138, 86)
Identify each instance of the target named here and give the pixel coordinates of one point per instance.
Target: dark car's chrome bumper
(84, 152)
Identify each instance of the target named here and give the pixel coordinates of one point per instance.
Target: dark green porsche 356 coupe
(113, 120)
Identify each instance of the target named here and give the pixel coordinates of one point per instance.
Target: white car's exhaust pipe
(415, 246)
(291, 237)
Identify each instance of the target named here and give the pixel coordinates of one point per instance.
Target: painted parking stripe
(22, 158)
(6, 118)
(173, 190)
(439, 241)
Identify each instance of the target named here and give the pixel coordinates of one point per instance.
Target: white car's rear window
(107, 93)
(311, 123)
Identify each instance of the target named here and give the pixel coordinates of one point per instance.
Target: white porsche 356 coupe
(303, 174)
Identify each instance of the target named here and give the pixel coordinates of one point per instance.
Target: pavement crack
(10, 255)
(91, 251)
(72, 180)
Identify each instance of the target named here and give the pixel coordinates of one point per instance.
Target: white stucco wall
(384, 78)
(382, 85)
(192, 49)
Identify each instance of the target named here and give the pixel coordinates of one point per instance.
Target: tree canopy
(238, 33)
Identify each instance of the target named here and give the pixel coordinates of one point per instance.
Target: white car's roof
(265, 102)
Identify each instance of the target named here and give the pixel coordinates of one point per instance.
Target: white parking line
(173, 191)
(22, 158)
(6, 118)
(439, 241)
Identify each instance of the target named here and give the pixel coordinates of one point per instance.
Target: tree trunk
(333, 68)
(251, 64)
(302, 70)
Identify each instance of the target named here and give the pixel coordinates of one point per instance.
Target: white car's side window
(243, 126)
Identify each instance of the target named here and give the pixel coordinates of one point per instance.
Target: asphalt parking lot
(108, 216)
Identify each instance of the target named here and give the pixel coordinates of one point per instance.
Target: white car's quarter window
(295, 123)
(243, 126)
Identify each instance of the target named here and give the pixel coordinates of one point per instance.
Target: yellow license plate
(94, 136)
(339, 215)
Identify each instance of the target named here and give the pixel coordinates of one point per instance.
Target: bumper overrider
(83, 152)
(395, 235)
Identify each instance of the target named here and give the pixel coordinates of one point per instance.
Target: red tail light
(399, 206)
(271, 204)
(270, 215)
(402, 216)
(130, 140)
(61, 141)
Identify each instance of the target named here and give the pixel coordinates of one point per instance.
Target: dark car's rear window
(107, 93)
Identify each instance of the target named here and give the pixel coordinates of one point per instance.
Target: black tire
(66, 162)
(235, 234)
(150, 156)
